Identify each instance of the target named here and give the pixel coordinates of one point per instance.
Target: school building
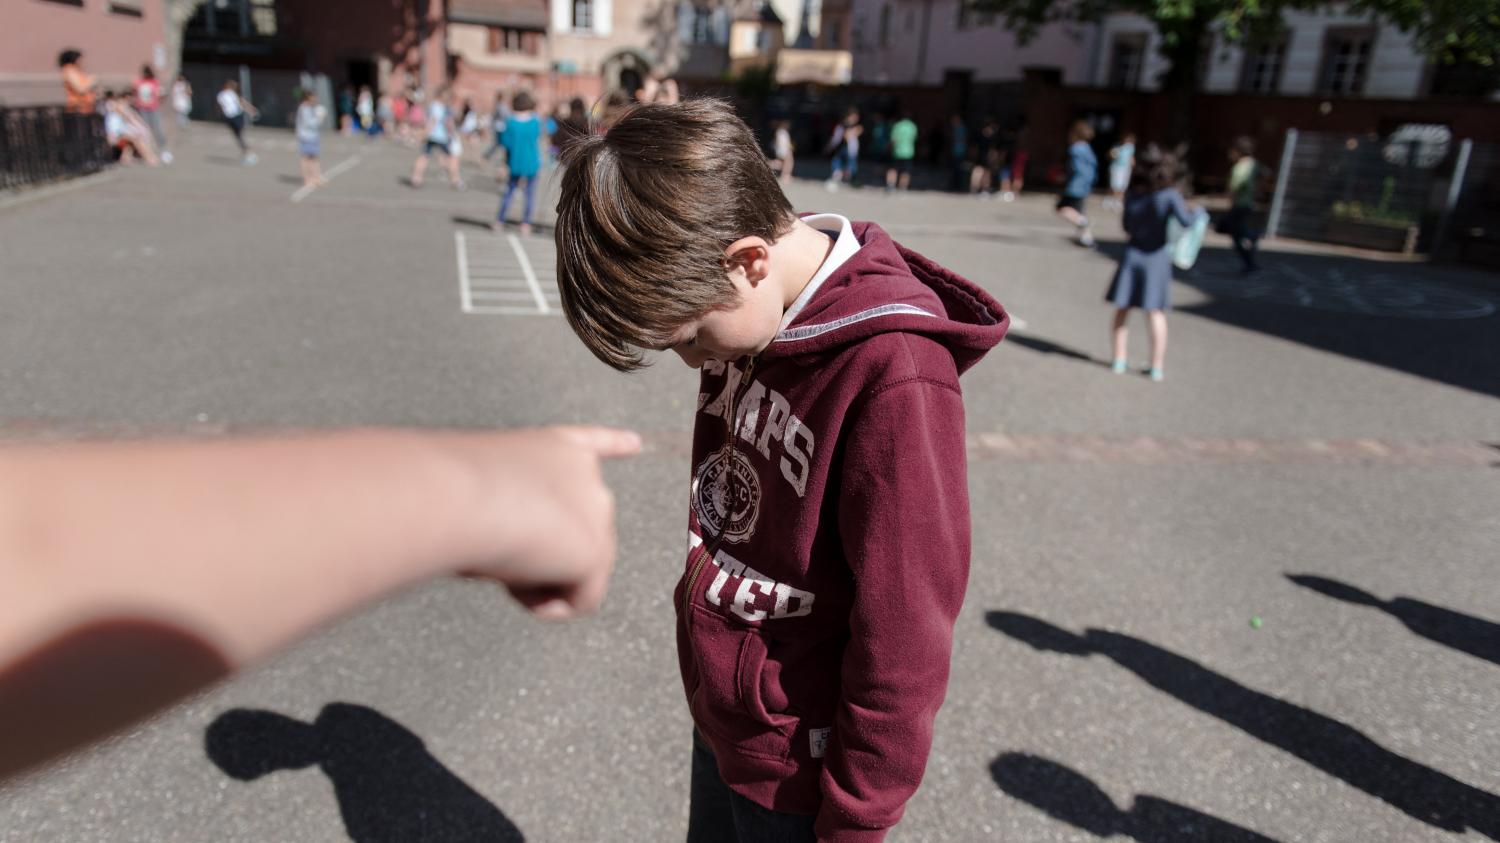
(116, 38)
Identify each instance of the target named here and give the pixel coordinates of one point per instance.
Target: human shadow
(1477, 637)
(1046, 346)
(1067, 795)
(1437, 322)
(1340, 750)
(389, 787)
(472, 222)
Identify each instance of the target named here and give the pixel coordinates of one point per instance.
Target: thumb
(606, 442)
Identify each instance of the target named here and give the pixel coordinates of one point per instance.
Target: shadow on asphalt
(1335, 748)
(1067, 795)
(390, 789)
(537, 228)
(1046, 346)
(1434, 322)
(1467, 634)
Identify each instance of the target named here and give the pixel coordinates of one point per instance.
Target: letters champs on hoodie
(814, 644)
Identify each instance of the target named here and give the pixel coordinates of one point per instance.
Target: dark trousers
(237, 125)
(1240, 228)
(717, 814)
(510, 191)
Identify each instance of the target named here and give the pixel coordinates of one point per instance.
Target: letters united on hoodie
(815, 643)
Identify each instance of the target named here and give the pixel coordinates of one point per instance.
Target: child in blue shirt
(1083, 169)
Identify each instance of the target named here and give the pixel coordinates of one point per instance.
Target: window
(1126, 59)
(703, 25)
(1262, 71)
(126, 8)
(263, 17)
(231, 18)
(1346, 61)
(857, 33)
(503, 39)
(969, 17)
(885, 25)
(583, 14)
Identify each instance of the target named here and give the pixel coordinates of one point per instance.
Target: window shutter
(685, 13)
(562, 16)
(604, 14)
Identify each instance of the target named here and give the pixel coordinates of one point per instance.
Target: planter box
(1368, 235)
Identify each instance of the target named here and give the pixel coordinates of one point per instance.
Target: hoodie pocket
(727, 702)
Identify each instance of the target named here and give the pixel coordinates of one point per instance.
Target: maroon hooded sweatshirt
(829, 541)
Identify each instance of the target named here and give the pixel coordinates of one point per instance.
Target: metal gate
(1369, 191)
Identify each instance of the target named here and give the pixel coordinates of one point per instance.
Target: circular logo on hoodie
(726, 495)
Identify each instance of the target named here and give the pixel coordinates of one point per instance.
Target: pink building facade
(116, 38)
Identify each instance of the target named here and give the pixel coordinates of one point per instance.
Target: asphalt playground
(1257, 601)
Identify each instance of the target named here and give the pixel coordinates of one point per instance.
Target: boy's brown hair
(646, 212)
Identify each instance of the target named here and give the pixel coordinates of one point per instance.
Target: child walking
(1083, 168)
(1144, 277)
(828, 526)
(522, 140)
(310, 117)
(1245, 175)
(782, 147)
(1121, 163)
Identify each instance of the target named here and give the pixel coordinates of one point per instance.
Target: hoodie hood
(885, 287)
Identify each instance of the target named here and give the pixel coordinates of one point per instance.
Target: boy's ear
(752, 254)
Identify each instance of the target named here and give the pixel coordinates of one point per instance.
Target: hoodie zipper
(706, 550)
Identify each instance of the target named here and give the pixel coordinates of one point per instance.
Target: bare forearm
(136, 574)
(246, 545)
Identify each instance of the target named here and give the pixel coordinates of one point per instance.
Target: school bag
(1185, 241)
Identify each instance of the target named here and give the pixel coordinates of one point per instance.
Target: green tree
(1446, 30)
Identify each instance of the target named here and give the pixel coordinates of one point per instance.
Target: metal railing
(43, 143)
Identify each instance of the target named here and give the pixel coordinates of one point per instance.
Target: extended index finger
(607, 442)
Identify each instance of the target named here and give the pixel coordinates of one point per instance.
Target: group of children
(518, 130)
(1144, 188)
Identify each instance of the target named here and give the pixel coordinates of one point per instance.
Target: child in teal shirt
(522, 140)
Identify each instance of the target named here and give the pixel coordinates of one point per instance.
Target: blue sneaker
(1119, 367)
(1156, 375)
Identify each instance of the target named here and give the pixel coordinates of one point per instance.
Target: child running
(1083, 168)
(1144, 277)
(440, 136)
(236, 109)
(522, 140)
(828, 530)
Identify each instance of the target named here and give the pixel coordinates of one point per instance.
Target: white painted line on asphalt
(536, 288)
(306, 190)
(465, 299)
